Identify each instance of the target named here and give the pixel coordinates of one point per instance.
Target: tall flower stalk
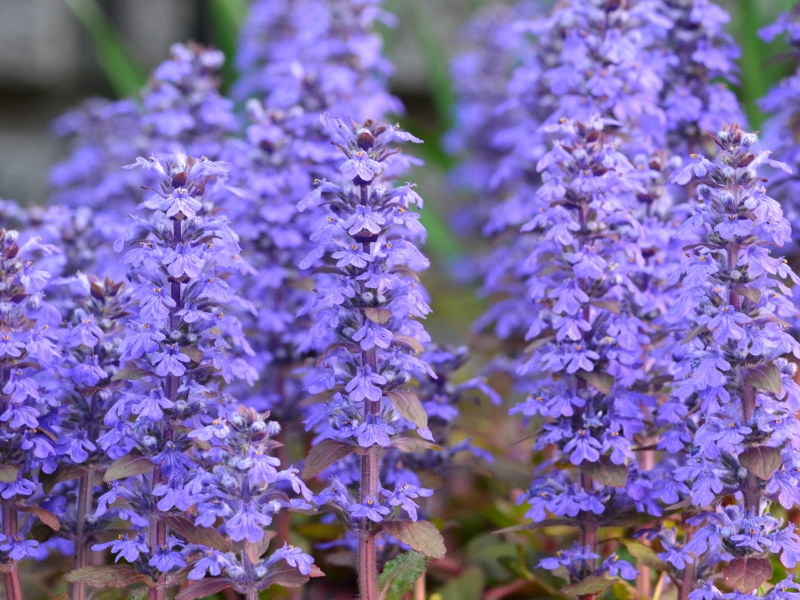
(367, 302)
(92, 332)
(176, 353)
(585, 368)
(29, 354)
(733, 385)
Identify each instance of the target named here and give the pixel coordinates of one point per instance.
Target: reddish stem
(11, 576)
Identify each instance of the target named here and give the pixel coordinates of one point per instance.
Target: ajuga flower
(332, 62)
(29, 354)
(367, 302)
(734, 390)
(241, 487)
(583, 281)
(175, 359)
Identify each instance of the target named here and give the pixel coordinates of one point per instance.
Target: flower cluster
(699, 55)
(176, 353)
(731, 374)
(30, 353)
(332, 62)
(587, 336)
(367, 301)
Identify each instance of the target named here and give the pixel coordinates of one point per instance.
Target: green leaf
(117, 576)
(203, 588)
(761, 461)
(765, 377)
(129, 465)
(467, 586)
(323, 455)
(605, 471)
(380, 316)
(407, 444)
(590, 585)
(8, 474)
(399, 575)
(131, 374)
(123, 72)
(197, 534)
(226, 19)
(409, 406)
(602, 381)
(644, 554)
(747, 574)
(422, 536)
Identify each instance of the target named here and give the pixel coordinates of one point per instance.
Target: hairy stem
(687, 584)
(588, 532)
(752, 487)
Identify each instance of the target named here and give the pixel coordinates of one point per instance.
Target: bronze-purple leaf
(747, 574)
(323, 455)
(117, 576)
(203, 588)
(129, 465)
(761, 461)
(605, 471)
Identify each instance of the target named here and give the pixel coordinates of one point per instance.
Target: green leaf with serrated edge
(602, 381)
(747, 574)
(422, 536)
(8, 474)
(131, 374)
(409, 406)
(765, 377)
(605, 471)
(761, 461)
(407, 444)
(644, 554)
(399, 575)
(61, 474)
(590, 585)
(615, 306)
(129, 465)
(380, 316)
(751, 293)
(117, 576)
(409, 341)
(45, 516)
(197, 534)
(323, 455)
(203, 588)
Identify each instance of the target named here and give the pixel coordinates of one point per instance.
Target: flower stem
(588, 532)
(11, 576)
(84, 508)
(367, 550)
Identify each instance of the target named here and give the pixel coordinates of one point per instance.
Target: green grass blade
(226, 21)
(123, 72)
